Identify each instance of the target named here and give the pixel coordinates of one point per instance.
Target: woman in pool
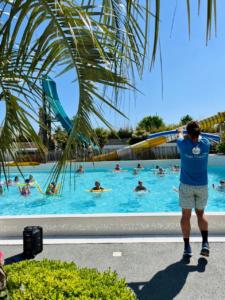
(161, 172)
(52, 190)
(220, 187)
(9, 182)
(175, 168)
(80, 170)
(140, 187)
(24, 191)
(97, 187)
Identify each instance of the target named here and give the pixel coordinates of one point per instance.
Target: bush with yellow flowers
(48, 279)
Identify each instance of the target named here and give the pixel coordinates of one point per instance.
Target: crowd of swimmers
(24, 188)
(140, 187)
(30, 182)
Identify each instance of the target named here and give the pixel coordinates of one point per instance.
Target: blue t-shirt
(194, 161)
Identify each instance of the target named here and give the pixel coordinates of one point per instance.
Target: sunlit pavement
(152, 270)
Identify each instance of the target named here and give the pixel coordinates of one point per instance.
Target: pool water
(121, 199)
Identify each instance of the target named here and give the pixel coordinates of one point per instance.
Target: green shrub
(221, 147)
(37, 280)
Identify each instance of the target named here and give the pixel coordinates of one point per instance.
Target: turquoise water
(121, 198)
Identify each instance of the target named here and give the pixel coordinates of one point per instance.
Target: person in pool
(135, 171)
(175, 168)
(1, 190)
(97, 187)
(31, 179)
(117, 168)
(80, 170)
(140, 187)
(9, 182)
(161, 172)
(25, 190)
(52, 190)
(139, 166)
(16, 180)
(220, 187)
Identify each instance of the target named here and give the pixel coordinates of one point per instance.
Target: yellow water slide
(154, 142)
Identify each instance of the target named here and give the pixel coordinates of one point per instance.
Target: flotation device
(31, 184)
(98, 191)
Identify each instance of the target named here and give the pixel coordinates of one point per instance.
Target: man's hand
(180, 132)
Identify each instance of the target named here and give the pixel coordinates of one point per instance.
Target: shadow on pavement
(15, 258)
(166, 284)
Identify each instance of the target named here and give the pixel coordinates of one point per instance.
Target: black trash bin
(32, 241)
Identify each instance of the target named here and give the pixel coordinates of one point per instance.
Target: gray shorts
(193, 196)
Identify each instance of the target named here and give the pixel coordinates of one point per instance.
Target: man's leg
(203, 226)
(186, 229)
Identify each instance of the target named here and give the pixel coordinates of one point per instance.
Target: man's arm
(180, 134)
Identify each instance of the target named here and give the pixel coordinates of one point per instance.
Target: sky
(193, 73)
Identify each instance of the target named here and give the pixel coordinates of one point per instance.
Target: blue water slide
(50, 90)
(209, 136)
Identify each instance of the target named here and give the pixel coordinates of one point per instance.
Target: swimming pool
(121, 198)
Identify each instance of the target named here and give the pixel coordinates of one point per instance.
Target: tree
(125, 133)
(60, 136)
(185, 119)
(151, 123)
(102, 136)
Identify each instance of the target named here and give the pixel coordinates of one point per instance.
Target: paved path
(152, 270)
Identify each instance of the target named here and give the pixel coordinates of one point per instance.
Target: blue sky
(194, 75)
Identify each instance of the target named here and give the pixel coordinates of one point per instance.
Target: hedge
(37, 280)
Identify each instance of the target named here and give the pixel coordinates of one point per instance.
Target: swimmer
(220, 187)
(52, 190)
(16, 180)
(117, 168)
(161, 172)
(80, 169)
(9, 182)
(175, 168)
(1, 189)
(135, 171)
(139, 166)
(97, 187)
(157, 167)
(140, 187)
(31, 179)
(24, 191)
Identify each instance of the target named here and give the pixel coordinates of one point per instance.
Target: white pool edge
(107, 225)
(108, 240)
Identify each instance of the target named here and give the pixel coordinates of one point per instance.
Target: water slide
(154, 140)
(160, 138)
(50, 90)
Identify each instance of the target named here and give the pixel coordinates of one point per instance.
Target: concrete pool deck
(152, 270)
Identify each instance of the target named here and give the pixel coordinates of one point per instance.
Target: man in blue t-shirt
(193, 190)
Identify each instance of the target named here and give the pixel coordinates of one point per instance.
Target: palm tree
(101, 41)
